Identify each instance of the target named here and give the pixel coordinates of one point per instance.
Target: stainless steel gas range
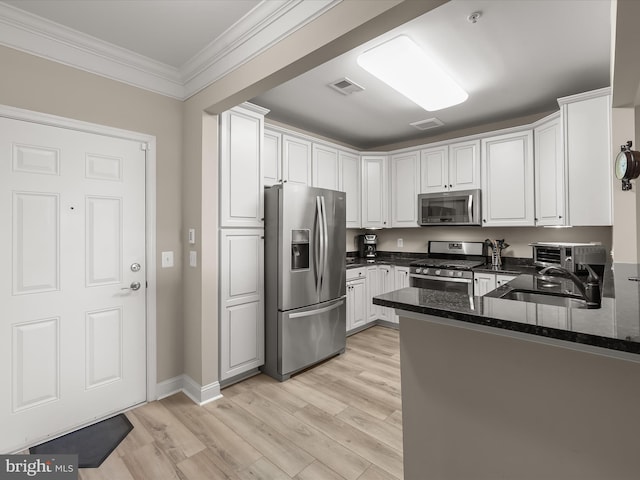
(448, 266)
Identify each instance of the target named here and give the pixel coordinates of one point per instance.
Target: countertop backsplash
(415, 239)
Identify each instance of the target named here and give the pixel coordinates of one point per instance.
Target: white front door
(72, 246)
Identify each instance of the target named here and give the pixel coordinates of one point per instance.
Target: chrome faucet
(590, 290)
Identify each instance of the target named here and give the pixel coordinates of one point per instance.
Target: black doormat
(92, 444)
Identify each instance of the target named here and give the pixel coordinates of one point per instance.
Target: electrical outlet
(192, 236)
(400, 243)
(193, 258)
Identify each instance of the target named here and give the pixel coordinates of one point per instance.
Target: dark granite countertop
(614, 326)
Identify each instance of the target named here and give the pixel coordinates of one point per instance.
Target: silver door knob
(134, 286)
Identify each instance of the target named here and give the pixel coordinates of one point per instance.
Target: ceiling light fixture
(405, 67)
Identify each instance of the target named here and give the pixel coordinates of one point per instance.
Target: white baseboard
(191, 388)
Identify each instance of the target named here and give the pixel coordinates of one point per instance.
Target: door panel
(72, 333)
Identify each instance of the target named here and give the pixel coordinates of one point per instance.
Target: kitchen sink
(545, 298)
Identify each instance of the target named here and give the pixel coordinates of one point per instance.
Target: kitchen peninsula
(495, 388)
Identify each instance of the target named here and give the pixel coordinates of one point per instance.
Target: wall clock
(627, 166)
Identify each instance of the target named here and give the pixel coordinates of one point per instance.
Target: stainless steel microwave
(449, 208)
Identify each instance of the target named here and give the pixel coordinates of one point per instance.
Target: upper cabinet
(450, 167)
(349, 177)
(405, 185)
(272, 158)
(507, 180)
(241, 184)
(325, 167)
(464, 165)
(587, 141)
(549, 172)
(296, 160)
(375, 191)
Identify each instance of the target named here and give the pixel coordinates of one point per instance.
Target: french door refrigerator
(305, 286)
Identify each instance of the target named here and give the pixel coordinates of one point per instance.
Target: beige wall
(40, 85)
(625, 211)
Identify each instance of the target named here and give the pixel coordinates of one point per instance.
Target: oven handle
(442, 279)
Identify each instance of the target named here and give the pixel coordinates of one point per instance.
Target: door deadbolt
(135, 267)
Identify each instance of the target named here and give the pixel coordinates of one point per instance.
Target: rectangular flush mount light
(405, 67)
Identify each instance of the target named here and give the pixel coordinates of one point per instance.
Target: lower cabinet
(356, 304)
(483, 283)
(241, 301)
(357, 291)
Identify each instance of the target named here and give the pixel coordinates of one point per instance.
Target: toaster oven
(568, 255)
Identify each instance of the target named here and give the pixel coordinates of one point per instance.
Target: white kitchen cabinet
(551, 316)
(450, 167)
(400, 280)
(483, 283)
(296, 160)
(356, 304)
(375, 204)
(549, 172)
(349, 182)
(587, 139)
(386, 285)
(272, 158)
(325, 166)
(507, 180)
(373, 289)
(241, 301)
(241, 183)
(405, 185)
(434, 170)
(464, 165)
(502, 279)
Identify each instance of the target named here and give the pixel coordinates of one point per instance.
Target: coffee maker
(367, 246)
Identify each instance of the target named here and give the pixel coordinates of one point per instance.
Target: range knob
(451, 273)
(418, 270)
(437, 272)
(459, 274)
(425, 271)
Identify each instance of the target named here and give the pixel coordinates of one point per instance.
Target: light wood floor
(339, 420)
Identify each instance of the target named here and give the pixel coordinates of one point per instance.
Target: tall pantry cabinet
(241, 241)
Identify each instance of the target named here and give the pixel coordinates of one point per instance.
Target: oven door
(462, 285)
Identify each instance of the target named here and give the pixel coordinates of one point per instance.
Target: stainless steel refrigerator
(305, 311)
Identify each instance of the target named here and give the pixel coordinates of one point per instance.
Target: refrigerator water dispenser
(299, 249)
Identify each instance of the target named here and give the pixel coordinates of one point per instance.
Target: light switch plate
(400, 243)
(167, 259)
(193, 258)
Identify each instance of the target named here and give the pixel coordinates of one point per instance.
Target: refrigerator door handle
(310, 313)
(318, 244)
(323, 245)
(325, 233)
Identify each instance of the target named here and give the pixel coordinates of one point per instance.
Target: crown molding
(264, 26)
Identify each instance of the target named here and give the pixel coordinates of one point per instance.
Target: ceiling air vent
(427, 124)
(346, 86)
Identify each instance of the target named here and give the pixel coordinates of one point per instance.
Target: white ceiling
(171, 32)
(516, 60)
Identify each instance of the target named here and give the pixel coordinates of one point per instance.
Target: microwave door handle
(470, 208)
